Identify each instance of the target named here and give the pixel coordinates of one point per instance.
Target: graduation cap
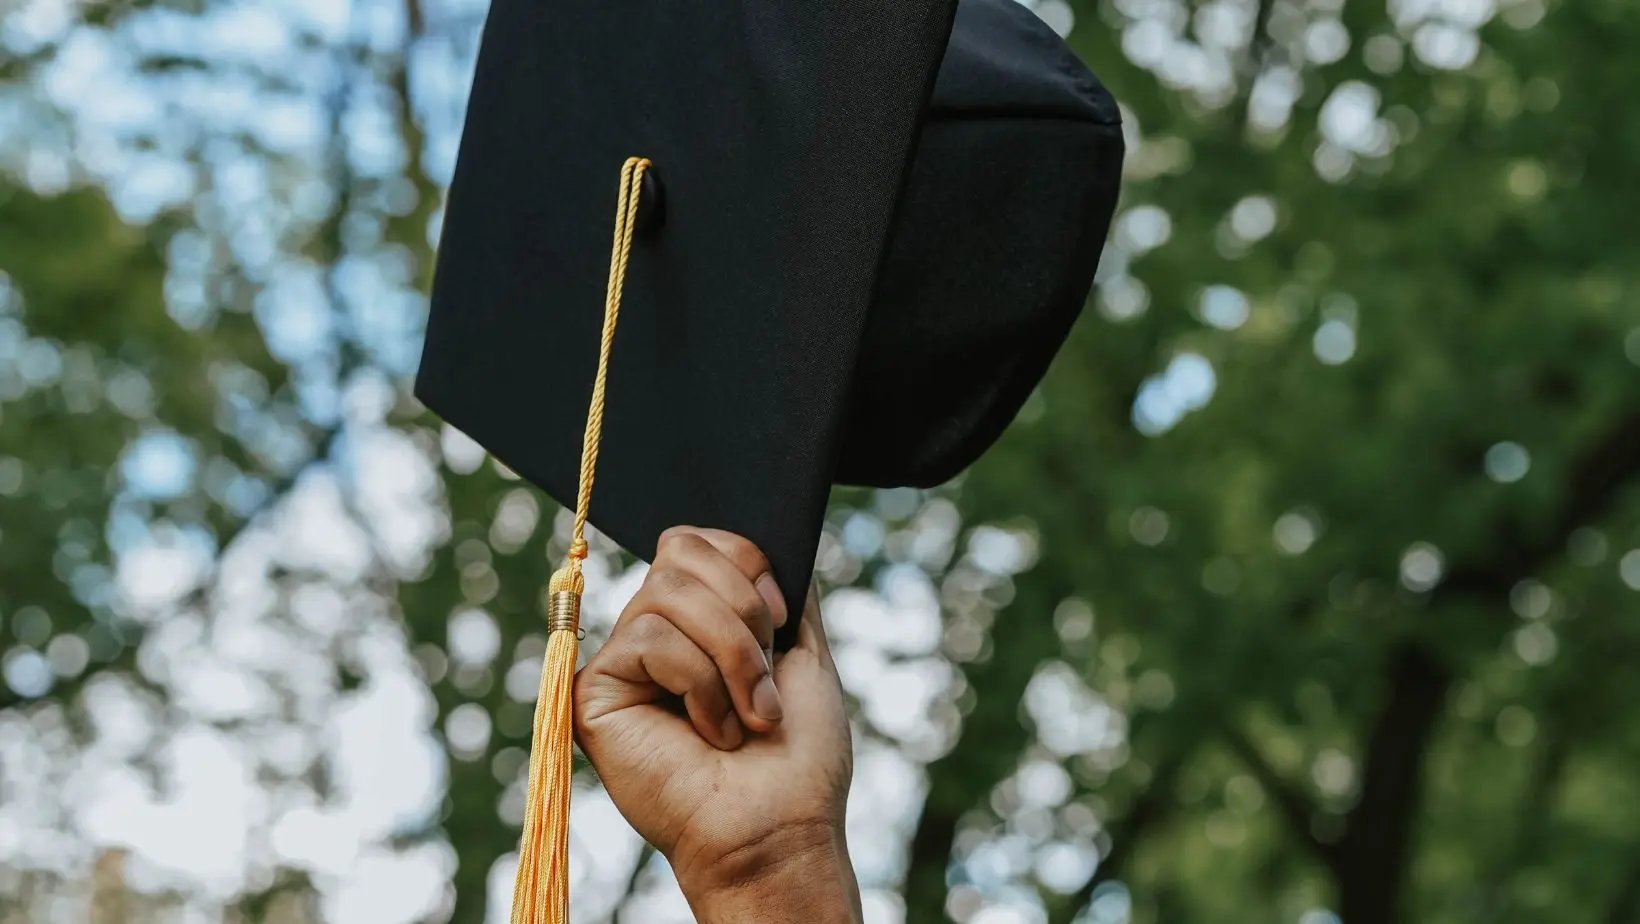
(849, 237)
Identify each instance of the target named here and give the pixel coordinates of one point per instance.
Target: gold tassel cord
(541, 887)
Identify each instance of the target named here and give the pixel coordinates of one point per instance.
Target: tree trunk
(1374, 855)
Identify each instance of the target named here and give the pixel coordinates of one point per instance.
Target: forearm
(815, 886)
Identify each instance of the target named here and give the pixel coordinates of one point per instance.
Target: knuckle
(749, 607)
(669, 581)
(648, 628)
(751, 556)
(588, 704)
(692, 544)
(740, 550)
(678, 540)
(581, 714)
(743, 659)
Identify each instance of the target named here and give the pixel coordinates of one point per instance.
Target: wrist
(801, 873)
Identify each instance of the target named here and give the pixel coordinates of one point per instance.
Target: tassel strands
(541, 887)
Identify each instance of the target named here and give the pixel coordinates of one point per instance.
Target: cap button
(651, 205)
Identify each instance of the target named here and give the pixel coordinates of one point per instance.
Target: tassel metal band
(564, 612)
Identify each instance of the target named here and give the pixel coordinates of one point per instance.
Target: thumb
(811, 631)
(808, 673)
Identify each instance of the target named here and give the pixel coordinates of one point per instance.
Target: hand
(743, 788)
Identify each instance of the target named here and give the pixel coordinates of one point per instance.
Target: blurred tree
(1307, 585)
(1347, 469)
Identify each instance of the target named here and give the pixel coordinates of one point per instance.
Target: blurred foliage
(1334, 497)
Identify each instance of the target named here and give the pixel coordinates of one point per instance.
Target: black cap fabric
(1004, 215)
(858, 272)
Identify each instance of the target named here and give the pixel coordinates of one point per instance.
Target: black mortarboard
(845, 269)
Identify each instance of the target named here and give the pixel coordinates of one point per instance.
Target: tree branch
(1377, 843)
(1594, 482)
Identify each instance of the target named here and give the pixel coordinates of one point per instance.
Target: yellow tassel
(541, 887)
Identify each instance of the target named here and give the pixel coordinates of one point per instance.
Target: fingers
(687, 550)
(748, 560)
(714, 602)
(645, 655)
